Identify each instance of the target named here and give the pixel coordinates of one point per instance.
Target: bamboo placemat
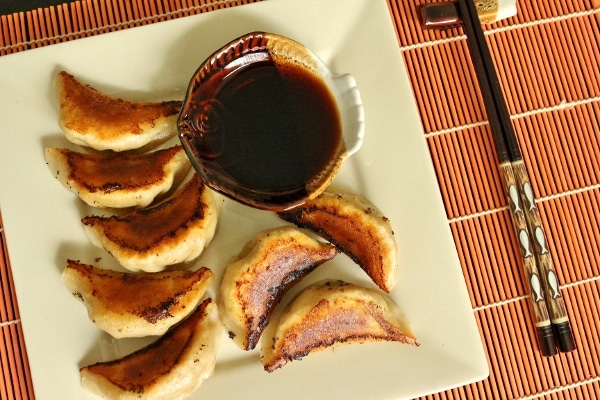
(548, 60)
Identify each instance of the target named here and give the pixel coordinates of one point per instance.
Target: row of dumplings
(162, 226)
(162, 217)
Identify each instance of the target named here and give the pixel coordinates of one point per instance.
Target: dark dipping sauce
(261, 131)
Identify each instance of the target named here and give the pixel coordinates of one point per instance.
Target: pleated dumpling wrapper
(173, 231)
(171, 368)
(136, 305)
(254, 282)
(357, 227)
(118, 180)
(102, 122)
(331, 313)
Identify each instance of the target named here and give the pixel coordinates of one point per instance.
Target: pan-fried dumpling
(136, 305)
(173, 231)
(356, 227)
(117, 180)
(254, 282)
(331, 313)
(90, 118)
(171, 368)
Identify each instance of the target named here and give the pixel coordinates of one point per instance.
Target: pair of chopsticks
(553, 329)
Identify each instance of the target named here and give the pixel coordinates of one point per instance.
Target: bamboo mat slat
(548, 61)
(16, 380)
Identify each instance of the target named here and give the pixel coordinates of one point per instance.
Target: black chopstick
(551, 319)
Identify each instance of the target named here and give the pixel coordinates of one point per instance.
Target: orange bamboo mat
(548, 60)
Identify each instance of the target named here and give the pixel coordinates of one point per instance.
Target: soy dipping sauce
(264, 128)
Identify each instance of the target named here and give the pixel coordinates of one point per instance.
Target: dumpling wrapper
(331, 313)
(103, 122)
(173, 231)
(171, 368)
(136, 305)
(117, 180)
(254, 282)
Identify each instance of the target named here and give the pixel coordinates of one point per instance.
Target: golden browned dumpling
(90, 118)
(136, 305)
(171, 368)
(255, 281)
(331, 313)
(173, 231)
(356, 227)
(117, 180)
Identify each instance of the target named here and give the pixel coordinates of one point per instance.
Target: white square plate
(393, 170)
